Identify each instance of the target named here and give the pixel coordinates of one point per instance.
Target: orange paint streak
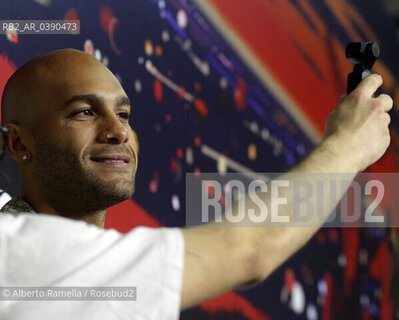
(347, 15)
(312, 14)
(201, 107)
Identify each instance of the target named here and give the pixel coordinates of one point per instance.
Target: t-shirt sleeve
(49, 251)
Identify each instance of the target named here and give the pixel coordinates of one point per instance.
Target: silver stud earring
(24, 157)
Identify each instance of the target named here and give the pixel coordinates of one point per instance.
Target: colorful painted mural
(232, 86)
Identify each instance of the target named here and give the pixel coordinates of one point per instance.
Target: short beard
(70, 189)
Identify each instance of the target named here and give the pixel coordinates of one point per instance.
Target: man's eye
(85, 112)
(124, 115)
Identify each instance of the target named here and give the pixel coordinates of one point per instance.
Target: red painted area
(197, 141)
(14, 38)
(7, 68)
(128, 215)
(71, 15)
(333, 235)
(108, 22)
(197, 172)
(173, 165)
(181, 92)
(321, 237)
(366, 315)
(154, 184)
(240, 94)
(106, 17)
(210, 189)
(289, 279)
(179, 153)
(234, 303)
(158, 90)
(201, 107)
(350, 247)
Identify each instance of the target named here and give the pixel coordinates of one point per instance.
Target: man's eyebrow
(91, 99)
(122, 101)
(94, 99)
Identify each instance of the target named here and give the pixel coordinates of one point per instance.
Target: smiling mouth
(109, 161)
(113, 161)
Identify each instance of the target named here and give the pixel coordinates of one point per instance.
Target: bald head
(34, 87)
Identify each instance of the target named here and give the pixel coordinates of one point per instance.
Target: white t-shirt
(49, 251)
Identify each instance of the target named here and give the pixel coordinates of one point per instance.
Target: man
(71, 142)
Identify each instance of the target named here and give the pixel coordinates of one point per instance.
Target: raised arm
(220, 257)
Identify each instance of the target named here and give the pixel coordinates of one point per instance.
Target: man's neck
(96, 218)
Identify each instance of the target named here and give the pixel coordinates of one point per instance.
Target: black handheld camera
(363, 55)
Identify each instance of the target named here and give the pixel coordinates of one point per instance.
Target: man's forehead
(73, 74)
(93, 88)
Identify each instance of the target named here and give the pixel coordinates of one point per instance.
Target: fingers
(385, 102)
(386, 119)
(369, 85)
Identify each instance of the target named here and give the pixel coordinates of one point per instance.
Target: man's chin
(103, 200)
(118, 190)
(109, 187)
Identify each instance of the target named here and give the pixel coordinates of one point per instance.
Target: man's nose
(113, 131)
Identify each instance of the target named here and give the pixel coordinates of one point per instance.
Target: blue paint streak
(219, 67)
(172, 21)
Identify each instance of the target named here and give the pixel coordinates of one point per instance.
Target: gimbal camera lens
(363, 55)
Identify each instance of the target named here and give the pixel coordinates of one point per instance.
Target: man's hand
(358, 127)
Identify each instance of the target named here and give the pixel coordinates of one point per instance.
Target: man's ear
(15, 144)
